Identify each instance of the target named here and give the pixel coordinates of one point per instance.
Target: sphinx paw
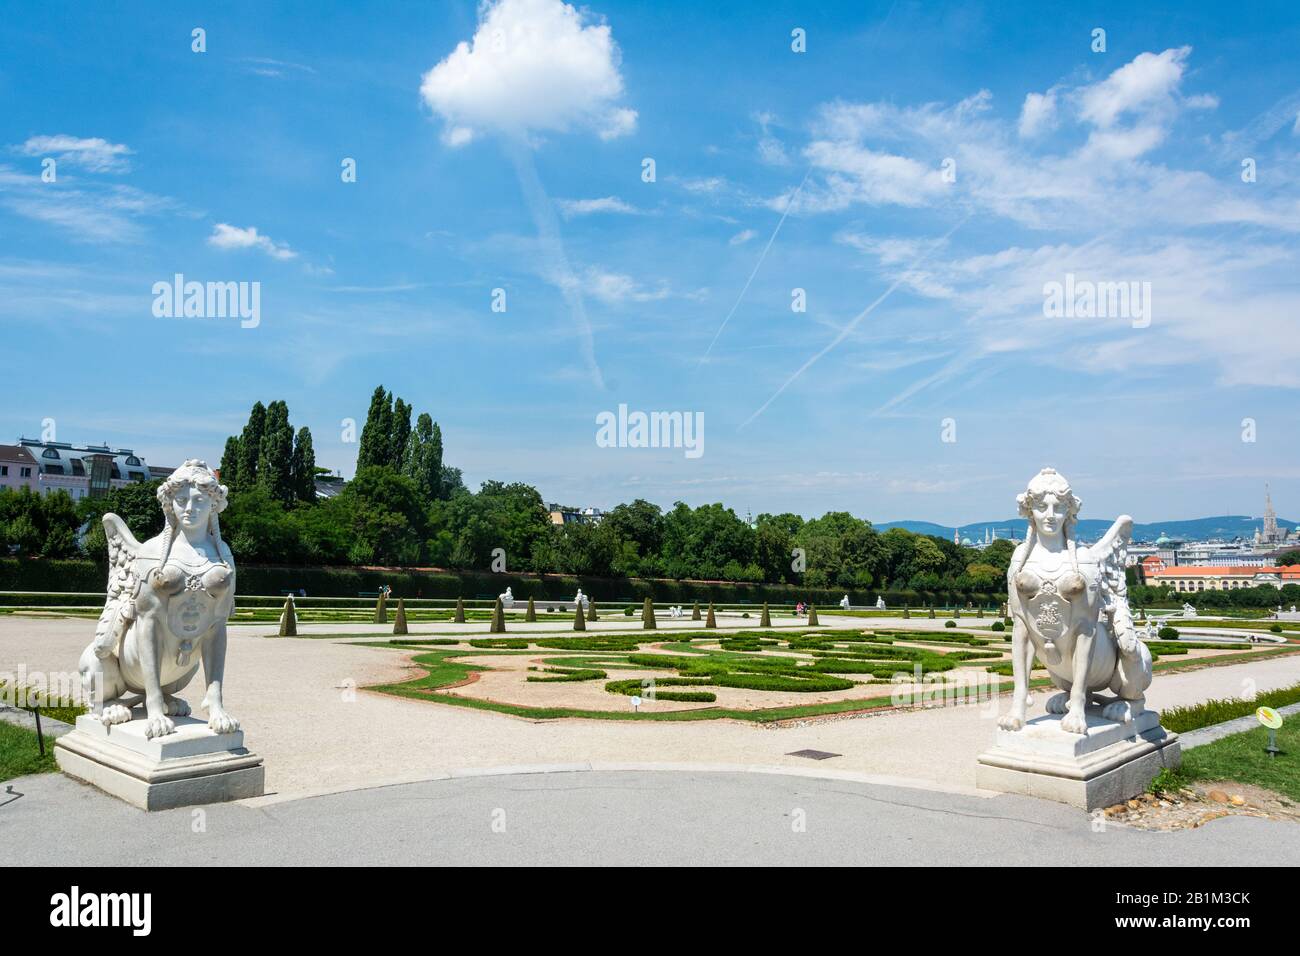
(1121, 710)
(159, 727)
(115, 714)
(177, 707)
(219, 722)
(1074, 723)
(1058, 703)
(1011, 721)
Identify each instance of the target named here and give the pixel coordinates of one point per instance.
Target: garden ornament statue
(168, 603)
(1069, 606)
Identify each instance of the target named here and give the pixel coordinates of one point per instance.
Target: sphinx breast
(216, 580)
(1028, 583)
(1072, 585)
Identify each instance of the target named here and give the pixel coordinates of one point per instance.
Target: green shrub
(949, 623)
(1167, 633)
(1182, 719)
(634, 687)
(568, 674)
(809, 684)
(1276, 628)
(998, 626)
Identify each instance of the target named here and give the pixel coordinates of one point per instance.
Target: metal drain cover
(813, 754)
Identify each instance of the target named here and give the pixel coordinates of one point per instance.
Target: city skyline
(925, 313)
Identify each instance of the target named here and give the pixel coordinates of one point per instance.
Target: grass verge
(1240, 758)
(20, 754)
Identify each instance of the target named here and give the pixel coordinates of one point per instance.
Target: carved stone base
(1111, 763)
(192, 766)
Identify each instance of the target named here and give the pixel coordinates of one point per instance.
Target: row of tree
(406, 507)
(268, 455)
(389, 441)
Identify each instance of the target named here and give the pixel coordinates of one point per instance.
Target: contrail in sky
(848, 329)
(772, 238)
(548, 230)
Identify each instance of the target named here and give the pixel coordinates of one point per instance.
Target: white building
(86, 471)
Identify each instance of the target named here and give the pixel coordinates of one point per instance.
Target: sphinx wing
(1111, 553)
(122, 586)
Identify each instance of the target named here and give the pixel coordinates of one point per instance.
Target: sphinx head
(191, 499)
(1049, 504)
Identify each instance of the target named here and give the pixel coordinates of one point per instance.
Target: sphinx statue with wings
(1070, 609)
(168, 602)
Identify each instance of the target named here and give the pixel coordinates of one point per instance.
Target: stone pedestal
(1111, 763)
(192, 766)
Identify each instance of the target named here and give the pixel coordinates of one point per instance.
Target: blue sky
(516, 163)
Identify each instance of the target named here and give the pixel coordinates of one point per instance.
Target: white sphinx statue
(582, 599)
(880, 603)
(168, 602)
(507, 598)
(844, 602)
(1070, 609)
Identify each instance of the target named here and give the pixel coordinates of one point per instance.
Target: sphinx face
(1049, 515)
(192, 506)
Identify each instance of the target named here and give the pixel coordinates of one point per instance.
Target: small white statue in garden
(880, 603)
(844, 602)
(675, 610)
(168, 602)
(582, 599)
(507, 598)
(1070, 610)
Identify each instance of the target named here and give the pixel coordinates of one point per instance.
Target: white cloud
(615, 288)
(861, 174)
(94, 213)
(94, 154)
(742, 237)
(531, 66)
(586, 207)
(770, 149)
(1147, 83)
(706, 185)
(225, 236)
(1038, 114)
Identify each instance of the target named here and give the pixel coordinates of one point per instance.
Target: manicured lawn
(1241, 758)
(19, 753)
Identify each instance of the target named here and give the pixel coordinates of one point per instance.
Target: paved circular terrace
(615, 818)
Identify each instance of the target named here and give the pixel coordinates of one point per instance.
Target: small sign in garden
(1271, 719)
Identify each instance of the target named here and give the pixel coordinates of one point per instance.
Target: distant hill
(1225, 527)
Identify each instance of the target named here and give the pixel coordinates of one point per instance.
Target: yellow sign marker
(1269, 717)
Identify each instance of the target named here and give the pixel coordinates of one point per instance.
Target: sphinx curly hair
(1049, 481)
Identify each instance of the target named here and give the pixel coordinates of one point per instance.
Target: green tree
(275, 463)
(250, 448)
(303, 468)
(423, 464)
(230, 463)
(388, 520)
(399, 435)
(377, 432)
(39, 524)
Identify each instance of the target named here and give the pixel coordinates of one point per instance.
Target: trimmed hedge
(1182, 719)
(33, 574)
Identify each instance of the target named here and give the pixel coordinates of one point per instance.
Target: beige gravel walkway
(299, 709)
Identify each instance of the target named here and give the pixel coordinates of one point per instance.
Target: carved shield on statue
(191, 613)
(1049, 612)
